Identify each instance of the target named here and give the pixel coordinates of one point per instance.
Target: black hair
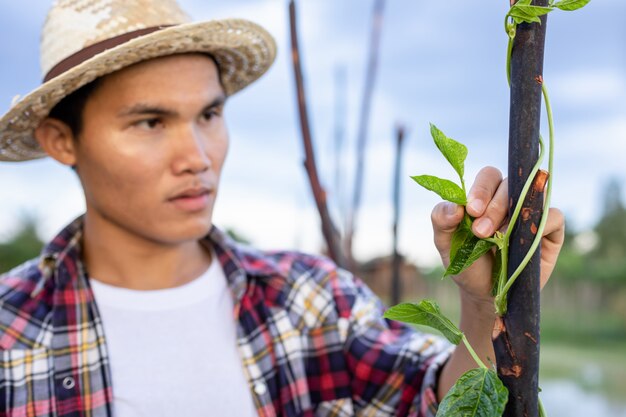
(70, 109)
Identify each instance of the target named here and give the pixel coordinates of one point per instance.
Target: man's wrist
(478, 307)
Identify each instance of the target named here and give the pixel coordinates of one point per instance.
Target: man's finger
(553, 236)
(495, 214)
(487, 182)
(445, 218)
(554, 231)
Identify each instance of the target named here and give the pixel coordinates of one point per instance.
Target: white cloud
(587, 154)
(284, 222)
(602, 141)
(589, 86)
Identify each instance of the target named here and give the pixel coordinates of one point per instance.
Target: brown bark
(516, 337)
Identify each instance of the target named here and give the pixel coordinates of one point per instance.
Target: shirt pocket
(26, 383)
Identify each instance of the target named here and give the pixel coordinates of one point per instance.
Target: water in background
(563, 398)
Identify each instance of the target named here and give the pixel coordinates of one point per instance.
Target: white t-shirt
(173, 352)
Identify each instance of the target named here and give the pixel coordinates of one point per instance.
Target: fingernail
(451, 209)
(483, 226)
(477, 205)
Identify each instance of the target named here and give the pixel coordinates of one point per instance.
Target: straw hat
(86, 39)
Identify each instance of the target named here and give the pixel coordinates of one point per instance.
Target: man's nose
(191, 155)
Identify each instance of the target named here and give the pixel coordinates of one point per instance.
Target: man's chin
(192, 230)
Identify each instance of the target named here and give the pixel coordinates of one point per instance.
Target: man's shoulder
(290, 265)
(304, 282)
(295, 263)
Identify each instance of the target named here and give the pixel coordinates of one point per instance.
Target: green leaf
(472, 249)
(426, 313)
(446, 189)
(570, 5)
(478, 393)
(455, 152)
(459, 257)
(460, 235)
(524, 11)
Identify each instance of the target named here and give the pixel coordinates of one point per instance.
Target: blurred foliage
(237, 236)
(605, 261)
(22, 246)
(611, 229)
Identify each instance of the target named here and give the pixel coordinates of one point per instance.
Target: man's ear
(57, 140)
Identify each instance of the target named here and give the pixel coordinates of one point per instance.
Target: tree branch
(516, 337)
(331, 235)
(370, 80)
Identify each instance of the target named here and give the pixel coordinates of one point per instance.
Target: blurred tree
(24, 245)
(611, 229)
(605, 261)
(571, 265)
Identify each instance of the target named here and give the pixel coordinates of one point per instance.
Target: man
(142, 308)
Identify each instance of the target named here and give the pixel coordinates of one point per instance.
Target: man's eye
(210, 114)
(149, 124)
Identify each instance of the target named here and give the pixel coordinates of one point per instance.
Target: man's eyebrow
(156, 110)
(145, 109)
(217, 102)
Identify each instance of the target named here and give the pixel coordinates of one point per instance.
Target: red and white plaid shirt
(310, 336)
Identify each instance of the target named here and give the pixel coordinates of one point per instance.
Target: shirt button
(68, 382)
(260, 388)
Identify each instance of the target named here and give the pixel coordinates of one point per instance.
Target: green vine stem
(507, 236)
(542, 411)
(525, 189)
(472, 352)
(510, 29)
(501, 297)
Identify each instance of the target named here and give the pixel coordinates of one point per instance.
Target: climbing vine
(479, 392)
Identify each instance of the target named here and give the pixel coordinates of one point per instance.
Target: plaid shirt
(310, 336)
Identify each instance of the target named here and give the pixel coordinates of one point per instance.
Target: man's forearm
(477, 320)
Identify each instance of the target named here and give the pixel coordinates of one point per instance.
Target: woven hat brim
(243, 50)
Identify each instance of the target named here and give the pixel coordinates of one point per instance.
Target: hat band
(93, 50)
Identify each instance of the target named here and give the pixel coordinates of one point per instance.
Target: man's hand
(488, 204)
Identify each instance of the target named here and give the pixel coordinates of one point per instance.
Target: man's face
(152, 147)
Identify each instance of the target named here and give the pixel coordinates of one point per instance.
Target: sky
(440, 62)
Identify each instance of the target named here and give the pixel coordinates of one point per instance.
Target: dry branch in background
(331, 235)
(395, 278)
(370, 80)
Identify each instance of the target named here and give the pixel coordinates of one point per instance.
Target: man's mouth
(192, 199)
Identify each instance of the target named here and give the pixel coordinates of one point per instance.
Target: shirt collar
(239, 261)
(66, 246)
